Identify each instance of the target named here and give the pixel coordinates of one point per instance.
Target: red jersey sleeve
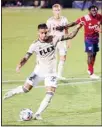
(80, 20)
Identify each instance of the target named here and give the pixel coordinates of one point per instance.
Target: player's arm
(23, 61)
(71, 24)
(78, 21)
(61, 28)
(72, 34)
(98, 29)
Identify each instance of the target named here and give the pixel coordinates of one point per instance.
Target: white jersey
(52, 23)
(46, 58)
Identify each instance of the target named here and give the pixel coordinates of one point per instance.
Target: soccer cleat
(61, 78)
(37, 117)
(8, 95)
(93, 76)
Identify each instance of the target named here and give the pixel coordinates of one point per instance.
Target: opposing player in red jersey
(92, 22)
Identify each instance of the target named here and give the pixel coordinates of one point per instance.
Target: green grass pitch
(76, 102)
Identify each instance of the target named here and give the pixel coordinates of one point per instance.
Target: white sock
(60, 68)
(18, 90)
(45, 103)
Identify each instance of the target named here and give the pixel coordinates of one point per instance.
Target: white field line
(13, 81)
(66, 84)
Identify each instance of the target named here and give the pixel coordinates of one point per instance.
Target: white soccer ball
(26, 114)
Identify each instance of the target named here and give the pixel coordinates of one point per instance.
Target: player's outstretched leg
(32, 80)
(20, 89)
(44, 104)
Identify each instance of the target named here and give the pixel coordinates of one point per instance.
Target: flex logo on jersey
(47, 50)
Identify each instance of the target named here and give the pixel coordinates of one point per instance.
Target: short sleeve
(31, 48)
(80, 20)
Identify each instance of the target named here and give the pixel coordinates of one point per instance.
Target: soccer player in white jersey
(52, 23)
(45, 69)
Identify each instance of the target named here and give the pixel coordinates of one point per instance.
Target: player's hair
(56, 6)
(42, 26)
(92, 6)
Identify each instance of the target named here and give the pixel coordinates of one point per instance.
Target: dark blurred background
(48, 3)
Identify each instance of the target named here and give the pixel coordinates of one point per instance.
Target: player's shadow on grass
(97, 88)
(68, 91)
(80, 111)
(63, 81)
(70, 81)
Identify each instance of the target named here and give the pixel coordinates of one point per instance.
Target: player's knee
(26, 88)
(63, 58)
(90, 54)
(90, 58)
(50, 89)
(61, 63)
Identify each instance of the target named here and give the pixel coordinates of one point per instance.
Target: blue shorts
(91, 47)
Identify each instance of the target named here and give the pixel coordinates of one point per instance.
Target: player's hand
(98, 29)
(80, 24)
(18, 68)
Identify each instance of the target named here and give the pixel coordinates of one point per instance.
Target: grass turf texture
(76, 104)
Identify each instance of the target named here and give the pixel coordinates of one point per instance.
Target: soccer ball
(26, 114)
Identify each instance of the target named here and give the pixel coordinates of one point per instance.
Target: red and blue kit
(91, 36)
